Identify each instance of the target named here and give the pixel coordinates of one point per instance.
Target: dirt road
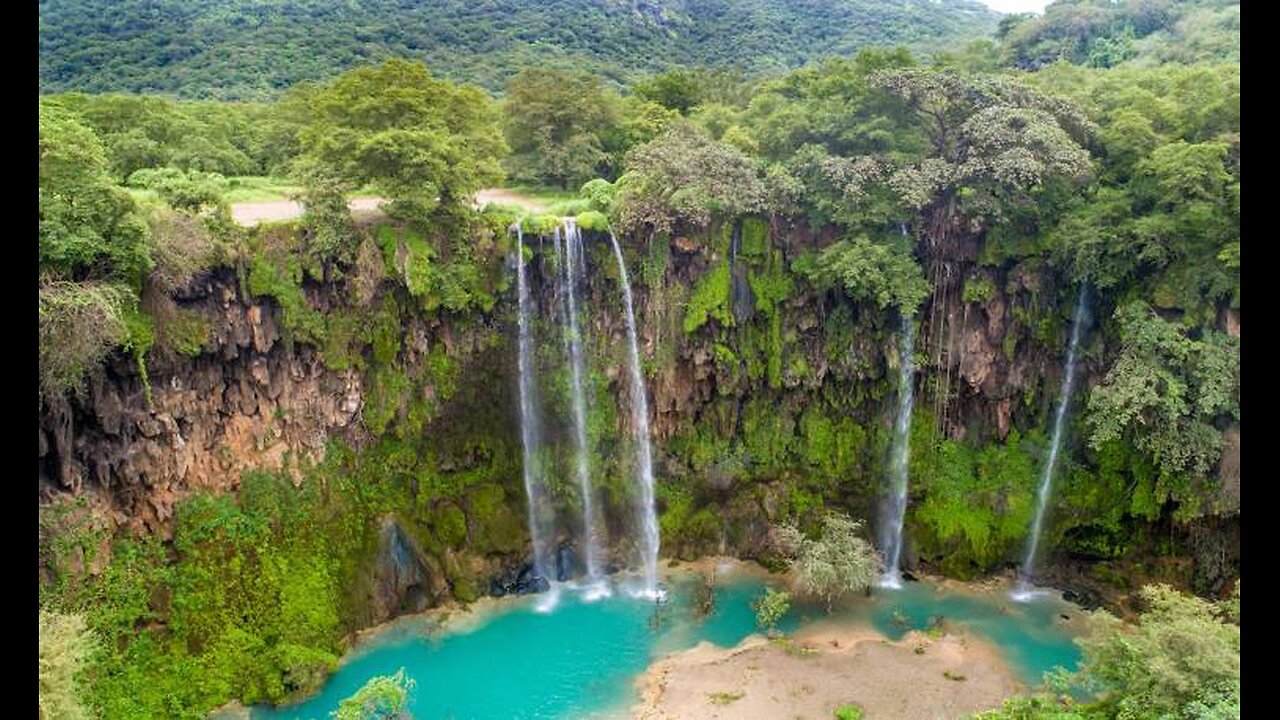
(252, 213)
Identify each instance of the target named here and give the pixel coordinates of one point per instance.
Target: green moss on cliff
(710, 300)
(977, 501)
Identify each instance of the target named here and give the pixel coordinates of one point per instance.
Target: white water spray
(529, 431)
(644, 459)
(573, 344)
(896, 507)
(1024, 591)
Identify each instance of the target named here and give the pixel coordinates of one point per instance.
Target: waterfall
(640, 421)
(1023, 591)
(896, 507)
(573, 345)
(529, 430)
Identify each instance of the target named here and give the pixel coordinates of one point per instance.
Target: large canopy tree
(423, 143)
(556, 123)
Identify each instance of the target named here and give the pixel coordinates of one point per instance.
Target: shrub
(770, 608)
(848, 712)
(836, 563)
(66, 644)
(80, 324)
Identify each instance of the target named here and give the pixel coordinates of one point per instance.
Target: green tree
(837, 562)
(89, 226)
(1181, 653)
(423, 143)
(190, 190)
(1181, 659)
(678, 90)
(685, 176)
(556, 123)
(385, 697)
(1163, 394)
(885, 274)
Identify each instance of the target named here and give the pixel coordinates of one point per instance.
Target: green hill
(252, 49)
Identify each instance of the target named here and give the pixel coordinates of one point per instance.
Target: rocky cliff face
(249, 401)
(782, 392)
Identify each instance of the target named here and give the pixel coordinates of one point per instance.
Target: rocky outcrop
(402, 583)
(249, 401)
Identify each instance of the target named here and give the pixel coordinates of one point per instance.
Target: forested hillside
(253, 49)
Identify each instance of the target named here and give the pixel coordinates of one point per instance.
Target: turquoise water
(1031, 635)
(582, 659)
(579, 660)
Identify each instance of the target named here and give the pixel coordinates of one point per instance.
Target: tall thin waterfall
(640, 421)
(530, 434)
(573, 344)
(896, 505)
(1046, 479)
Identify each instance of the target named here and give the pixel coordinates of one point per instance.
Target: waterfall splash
(1024, 591)
(530, 435)
(573, 344)
(640, 420)
(896, 505)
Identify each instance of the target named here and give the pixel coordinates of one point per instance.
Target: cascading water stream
(530, 435)
(644, 458)
(573, 343)
(896, 507)
(1023, 591)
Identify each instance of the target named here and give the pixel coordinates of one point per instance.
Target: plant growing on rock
(385, 697)
(770, 608)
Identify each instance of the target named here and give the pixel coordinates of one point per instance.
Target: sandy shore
(827, 664)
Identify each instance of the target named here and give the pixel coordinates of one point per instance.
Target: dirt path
(252, 213)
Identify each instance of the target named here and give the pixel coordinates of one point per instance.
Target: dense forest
(786, 196)
(254, 50)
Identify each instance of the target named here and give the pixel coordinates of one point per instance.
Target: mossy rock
(465, 590)
(450, 525)
(494, 526)
(539, 224)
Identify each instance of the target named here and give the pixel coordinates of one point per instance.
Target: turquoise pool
(581, 659)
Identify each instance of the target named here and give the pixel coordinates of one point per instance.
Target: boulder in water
(567, 564)
(529, 581)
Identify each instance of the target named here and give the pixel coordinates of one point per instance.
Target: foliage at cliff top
(554, 122)
(89, 225)
(419, 141)
(251, 51)
(684, 176)
(884, 274)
